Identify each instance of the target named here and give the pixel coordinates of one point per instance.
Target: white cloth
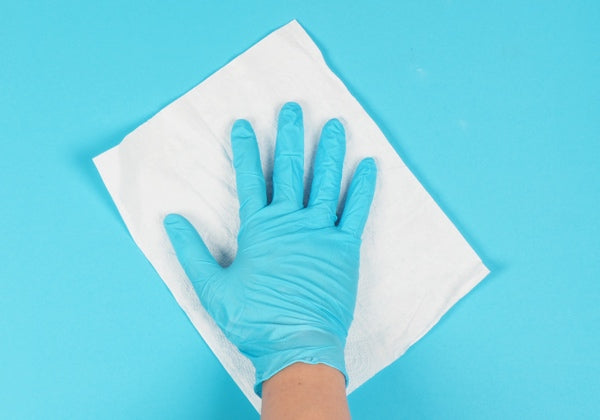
(414, 263)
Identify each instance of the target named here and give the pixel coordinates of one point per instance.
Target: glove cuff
(311, 347)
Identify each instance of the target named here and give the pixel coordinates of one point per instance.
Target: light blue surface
(496, 109)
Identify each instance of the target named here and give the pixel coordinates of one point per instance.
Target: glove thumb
(194, 257)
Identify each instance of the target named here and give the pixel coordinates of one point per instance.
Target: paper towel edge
(481, 271)
(478, 273)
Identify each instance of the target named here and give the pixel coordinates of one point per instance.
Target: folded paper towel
(414, 263)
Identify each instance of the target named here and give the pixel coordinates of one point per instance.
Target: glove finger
(359, 198)
(325, 189)
(288, 168)
(251, 189)
(193, 255)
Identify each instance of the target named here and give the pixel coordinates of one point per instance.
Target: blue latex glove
(289, 295)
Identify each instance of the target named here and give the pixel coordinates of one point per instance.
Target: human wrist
(308, 347)
(305, 391)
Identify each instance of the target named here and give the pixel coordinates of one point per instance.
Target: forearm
(305, 392)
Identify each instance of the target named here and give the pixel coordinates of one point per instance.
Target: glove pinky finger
(359, 198)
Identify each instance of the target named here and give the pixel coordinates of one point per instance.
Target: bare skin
(305, 392)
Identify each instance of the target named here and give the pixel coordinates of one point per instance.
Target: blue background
(495, 108)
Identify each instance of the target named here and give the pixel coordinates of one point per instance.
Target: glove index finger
(251, 188)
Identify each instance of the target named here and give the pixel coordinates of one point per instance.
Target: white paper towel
(414, 263)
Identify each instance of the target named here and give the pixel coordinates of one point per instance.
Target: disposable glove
(290, 293)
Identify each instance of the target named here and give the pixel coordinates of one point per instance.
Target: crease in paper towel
(414, 263)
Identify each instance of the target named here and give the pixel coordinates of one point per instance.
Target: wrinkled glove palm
(290, 293)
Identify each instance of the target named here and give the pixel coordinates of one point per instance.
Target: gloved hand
(289, 295)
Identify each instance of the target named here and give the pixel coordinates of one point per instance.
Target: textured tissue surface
(414, 263)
